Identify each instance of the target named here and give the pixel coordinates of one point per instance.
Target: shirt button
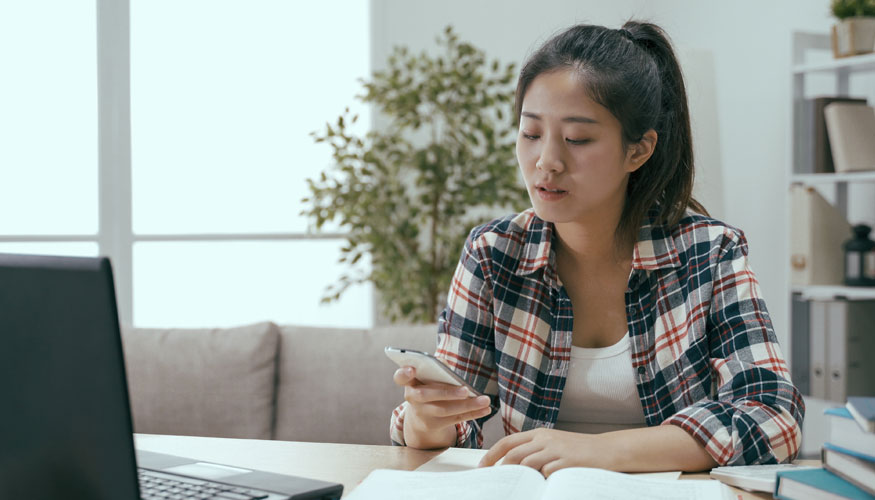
(641, 370)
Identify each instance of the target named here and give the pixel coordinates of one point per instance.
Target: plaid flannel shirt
(704, 353)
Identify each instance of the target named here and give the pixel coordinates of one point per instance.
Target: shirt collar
(655, 248)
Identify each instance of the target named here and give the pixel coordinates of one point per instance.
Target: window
(48, 121)
(236, 282)
(223, 96)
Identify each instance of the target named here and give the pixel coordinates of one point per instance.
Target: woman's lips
(549, 193)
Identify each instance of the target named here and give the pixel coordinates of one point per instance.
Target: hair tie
(627, 34)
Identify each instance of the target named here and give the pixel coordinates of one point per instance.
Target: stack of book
(814, 153)
(837, 132)
(848, 458)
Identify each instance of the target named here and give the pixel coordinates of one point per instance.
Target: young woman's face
(570, 151)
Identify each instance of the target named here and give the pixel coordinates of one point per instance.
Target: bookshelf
(827, 349)
(849, 64)
(845, 177)
(834, 292)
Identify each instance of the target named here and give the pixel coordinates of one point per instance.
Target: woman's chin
(550, 214)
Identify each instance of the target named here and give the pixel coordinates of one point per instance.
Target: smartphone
(428, 368)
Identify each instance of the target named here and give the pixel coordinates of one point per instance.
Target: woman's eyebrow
(571, 119)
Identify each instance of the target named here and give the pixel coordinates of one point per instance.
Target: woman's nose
(550, 159)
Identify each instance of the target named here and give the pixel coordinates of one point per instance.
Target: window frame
(115, 236)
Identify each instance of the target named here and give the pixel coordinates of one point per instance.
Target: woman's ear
(641, 151)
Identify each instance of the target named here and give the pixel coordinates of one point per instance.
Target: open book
(518, 482)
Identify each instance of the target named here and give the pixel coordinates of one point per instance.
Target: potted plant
(408, 192)
(854, 34)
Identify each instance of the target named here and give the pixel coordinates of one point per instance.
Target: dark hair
(634, 73)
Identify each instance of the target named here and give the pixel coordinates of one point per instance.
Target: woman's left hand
(548, 450)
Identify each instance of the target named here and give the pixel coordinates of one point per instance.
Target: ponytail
(666, 181)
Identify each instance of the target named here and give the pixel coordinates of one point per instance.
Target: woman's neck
(593, 242)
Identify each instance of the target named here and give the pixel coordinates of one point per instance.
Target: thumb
(404, 375)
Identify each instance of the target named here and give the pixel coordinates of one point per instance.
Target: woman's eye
(530, 137)
(577, 142)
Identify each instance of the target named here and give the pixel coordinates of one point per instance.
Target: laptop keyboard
(159, 486)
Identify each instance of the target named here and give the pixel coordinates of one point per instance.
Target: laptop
(65, 420)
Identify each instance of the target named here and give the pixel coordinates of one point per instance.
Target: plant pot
(853, 36)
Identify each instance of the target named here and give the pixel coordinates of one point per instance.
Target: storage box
(818, 231)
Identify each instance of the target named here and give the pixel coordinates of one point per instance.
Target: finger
(425, 414)
(459, 409)
(549, 468)
(463, 417)
(539, 459)
(404, 375)
(521, 453)
(431, 392)
(504, 445)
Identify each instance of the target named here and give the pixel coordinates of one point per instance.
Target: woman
(614, 324)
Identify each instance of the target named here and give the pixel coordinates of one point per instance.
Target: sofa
(264, 381)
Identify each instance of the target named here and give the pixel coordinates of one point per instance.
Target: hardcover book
(852, 467)
(863, 411)
(815, 484)
(752, 477)
(845, 433)
(851, 129)
(819, 156)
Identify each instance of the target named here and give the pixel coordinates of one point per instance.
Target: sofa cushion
(203, 382)
(335, 385)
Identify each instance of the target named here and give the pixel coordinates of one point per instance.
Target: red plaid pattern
(703, 349)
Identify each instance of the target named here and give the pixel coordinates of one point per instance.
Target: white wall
(736, 57)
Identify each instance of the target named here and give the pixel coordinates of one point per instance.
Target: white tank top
(600, 393)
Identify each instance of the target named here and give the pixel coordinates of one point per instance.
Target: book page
(456, 459)
(577, 483)
(509, 482)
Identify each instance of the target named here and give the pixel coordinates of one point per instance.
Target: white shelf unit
(847, 64)
(805, 346)
(845, 177)
(834, 292)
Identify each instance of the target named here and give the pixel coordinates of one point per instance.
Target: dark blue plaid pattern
(704, 352)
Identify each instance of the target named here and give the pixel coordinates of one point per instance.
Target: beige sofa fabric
(335, 385)
(266, 382)
(203, 382)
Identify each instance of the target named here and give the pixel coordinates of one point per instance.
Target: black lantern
(860, 258)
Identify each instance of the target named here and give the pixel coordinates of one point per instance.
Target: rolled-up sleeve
(465, 340)
(756, 414)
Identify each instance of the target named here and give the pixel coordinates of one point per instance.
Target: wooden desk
(339, 463)
(348, 464)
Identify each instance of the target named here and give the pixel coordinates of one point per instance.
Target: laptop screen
(65, 424)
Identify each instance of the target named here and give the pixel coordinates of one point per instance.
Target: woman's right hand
(435, 409)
